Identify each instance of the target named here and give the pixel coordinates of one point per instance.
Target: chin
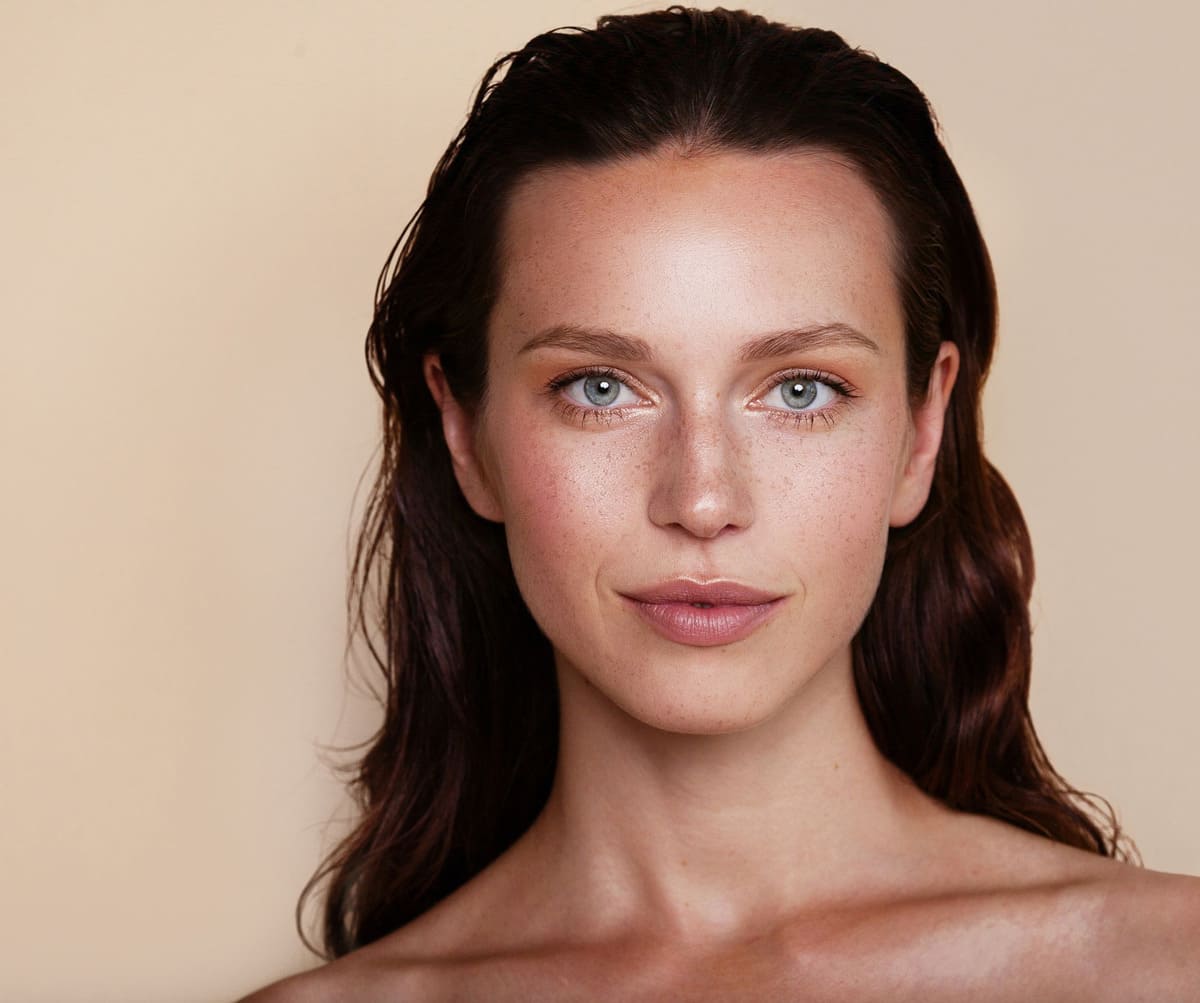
(688, 699)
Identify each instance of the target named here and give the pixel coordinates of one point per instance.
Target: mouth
(703, 614)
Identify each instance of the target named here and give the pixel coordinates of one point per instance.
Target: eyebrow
(628, 348)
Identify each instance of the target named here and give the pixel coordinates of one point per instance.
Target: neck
(703, 837)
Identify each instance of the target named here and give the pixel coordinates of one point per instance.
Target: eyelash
(828, 414)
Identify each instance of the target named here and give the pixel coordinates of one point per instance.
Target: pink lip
(736, 611)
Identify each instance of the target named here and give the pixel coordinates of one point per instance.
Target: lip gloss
(703, 627)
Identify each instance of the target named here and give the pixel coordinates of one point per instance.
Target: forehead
(719, 246)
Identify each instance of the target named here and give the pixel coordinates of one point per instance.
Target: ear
(924, 439)
(458, 428)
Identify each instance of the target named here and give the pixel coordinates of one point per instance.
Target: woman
(703, 617)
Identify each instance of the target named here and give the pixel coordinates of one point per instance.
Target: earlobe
(925, 439)
(458, 429)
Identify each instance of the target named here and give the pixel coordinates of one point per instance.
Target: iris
(600, 390)
(799, 393)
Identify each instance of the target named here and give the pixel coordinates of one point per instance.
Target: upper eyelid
(839, 385)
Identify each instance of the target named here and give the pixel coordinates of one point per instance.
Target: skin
(722, 824)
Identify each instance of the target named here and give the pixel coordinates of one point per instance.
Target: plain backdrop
(196, 201)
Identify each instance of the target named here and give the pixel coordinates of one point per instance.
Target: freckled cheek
(829, 498)
(569, 500)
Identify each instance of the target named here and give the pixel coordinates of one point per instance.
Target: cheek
(827, 508)
(571, 502)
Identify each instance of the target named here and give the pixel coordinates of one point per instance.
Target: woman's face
(696, 372)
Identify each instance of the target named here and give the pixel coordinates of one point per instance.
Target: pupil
(800, 393)
(600, 389)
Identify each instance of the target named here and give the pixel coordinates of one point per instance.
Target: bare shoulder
(307, 987)
(1134, 931)
(1071, 921)
(370, 973)
(437, 955)
(1148, 935)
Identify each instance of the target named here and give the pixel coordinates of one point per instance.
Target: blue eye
(799, 393)
(598, 390)
(601, 390)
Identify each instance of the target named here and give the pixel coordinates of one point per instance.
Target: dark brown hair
(464, 759)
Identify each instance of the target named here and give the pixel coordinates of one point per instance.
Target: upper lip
(715, 593)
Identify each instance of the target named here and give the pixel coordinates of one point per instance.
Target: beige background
(196, 201)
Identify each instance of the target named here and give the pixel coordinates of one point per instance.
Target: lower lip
(704, 628)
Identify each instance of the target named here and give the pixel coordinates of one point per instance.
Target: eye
(803, 392)
(599, 389)
(802, 396)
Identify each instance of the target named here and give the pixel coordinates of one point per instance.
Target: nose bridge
(702, 482)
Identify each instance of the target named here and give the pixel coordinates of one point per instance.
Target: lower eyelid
(828, 415)
(584, 414)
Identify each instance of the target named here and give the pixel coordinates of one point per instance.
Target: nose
(701, 482)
